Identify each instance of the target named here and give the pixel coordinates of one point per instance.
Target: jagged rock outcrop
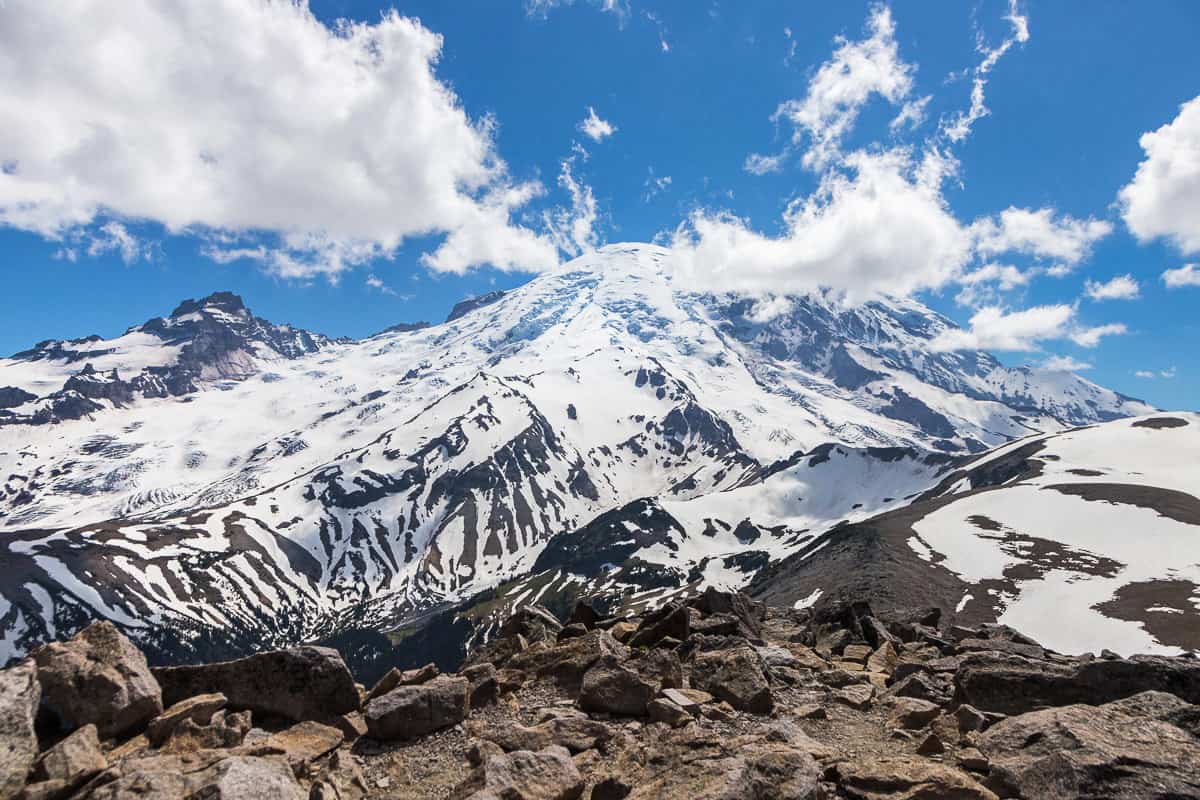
(19, 697)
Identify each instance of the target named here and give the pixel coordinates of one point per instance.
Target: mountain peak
(228, 302)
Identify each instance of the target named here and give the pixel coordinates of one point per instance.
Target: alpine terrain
(214, 483)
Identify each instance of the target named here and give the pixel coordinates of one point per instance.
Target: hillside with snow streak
(286, 487)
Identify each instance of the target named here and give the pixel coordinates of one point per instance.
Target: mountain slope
(300, 487)
(1088, 538)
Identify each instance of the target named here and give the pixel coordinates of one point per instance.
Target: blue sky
(104, 224)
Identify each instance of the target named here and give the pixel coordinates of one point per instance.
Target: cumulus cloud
(1041, 234)
(879, 227)
(1187, 275)
(959, 126)
(304, 147)
(1122, 287)
(595, 128)
(767, 309)
(1065, 364)
(878, 222)
(1163, 199)
(995, 328)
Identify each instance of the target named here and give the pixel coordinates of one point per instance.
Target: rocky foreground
(714, 698)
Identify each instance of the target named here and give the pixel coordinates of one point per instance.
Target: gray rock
(876, 778)
(566, 662)
(1081, 751)
(232, 778)
(73, 760)
(614, 688)
(411, 711)
(735, 676)
(408, 677)
(19, 697)
(297, 684)
(547, 774)
(485, 686)
(99, 677)
(912, 713)
(198, 709)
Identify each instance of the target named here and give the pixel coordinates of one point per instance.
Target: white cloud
(958, 127)
(595, 128)
(1065, 364)
(542, 8)
(1145, 373)
(843, 85)
(655, 185)
(767, 309)
(882, 227)
(1122, 287)
(1041, 234)
(995, 328)
(1168, 373)
(1163, 199)
(573, 229)
(911, 115)
(1187, 275)
(112, 236)
(982, 286)
(1090, 337)
(378, 285)
(759, 164)
(309, 148)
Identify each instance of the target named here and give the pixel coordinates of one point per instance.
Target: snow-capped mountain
(200, 343)
(1087, 539)
(291, 487)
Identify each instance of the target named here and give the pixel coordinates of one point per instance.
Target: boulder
(912, 713)
(858, 695)
(230, 778)
(72, 761)
(298, 684)
(485, 686)
(924, 686)
(908, 779)
(749, 613)
(20, 694)
(584, 615)
(611, 687)
(735, 676)
(883, 659)
(222, 730)
(547, 774)
(411, 711)
(577, 734)
(1164, 707)
(1012, 684)
(198, 709)
(1088, 751)
(690, 700)
(672, 620)
(396, 677)
(301, 744)
(99, 677)
(660, 665)
(662, 710)
(567, 661)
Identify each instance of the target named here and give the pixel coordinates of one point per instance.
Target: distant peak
(471, 303)
(222, 301)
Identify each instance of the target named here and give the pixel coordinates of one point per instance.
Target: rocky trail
(712, 698)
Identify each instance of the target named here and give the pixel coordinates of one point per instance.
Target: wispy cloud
(595, 128)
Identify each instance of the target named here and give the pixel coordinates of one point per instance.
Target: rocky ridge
(714, 697)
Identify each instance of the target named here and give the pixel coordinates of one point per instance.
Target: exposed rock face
(99, 677)
(233, 778)
(298, 684)
(198, 709)
(19, 697)
(411, 711)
